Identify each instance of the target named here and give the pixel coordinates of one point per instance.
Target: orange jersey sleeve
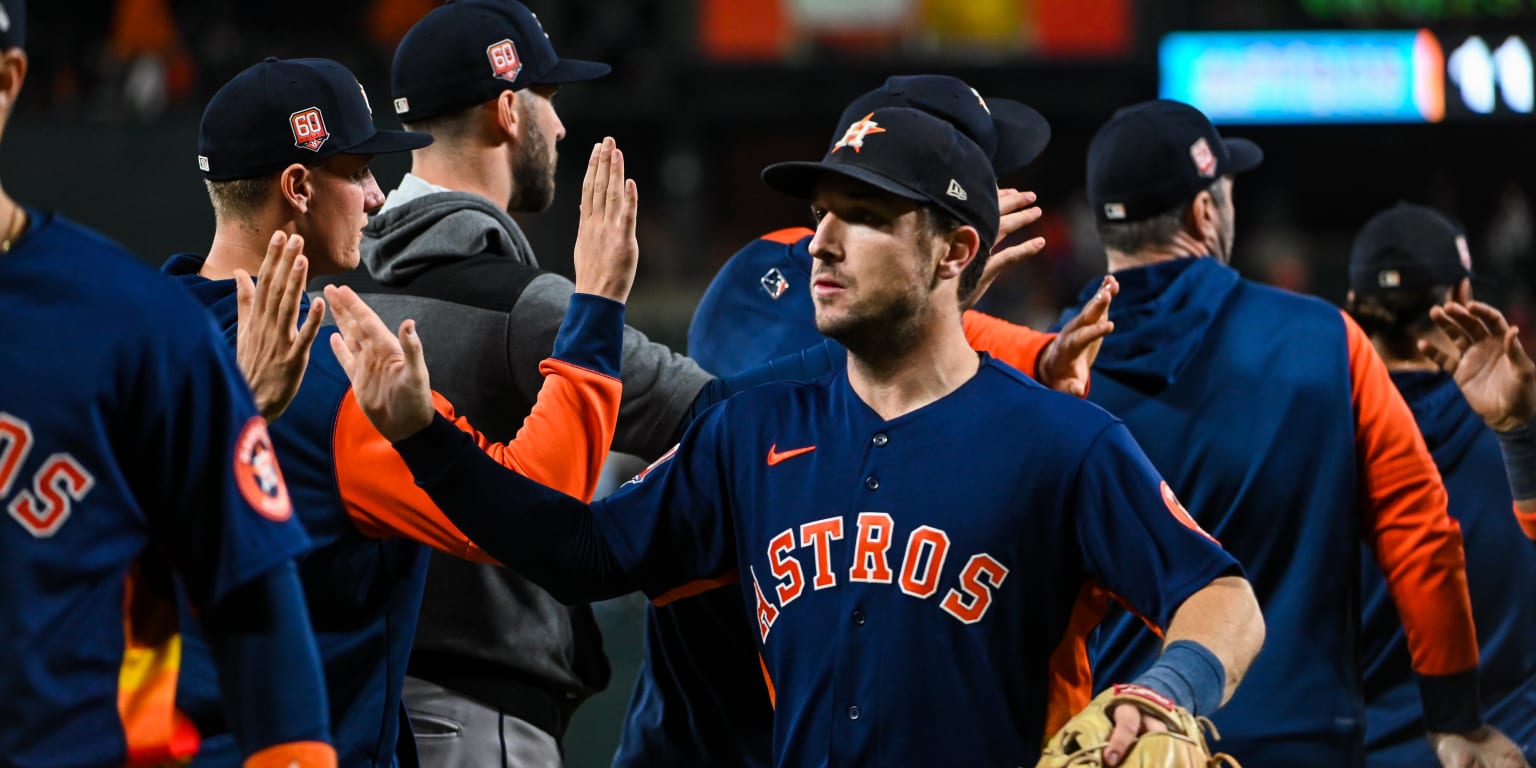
(1417, 543)
(1016, 345)
(562, 444)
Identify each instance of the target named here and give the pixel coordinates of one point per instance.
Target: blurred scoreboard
(1371, 76)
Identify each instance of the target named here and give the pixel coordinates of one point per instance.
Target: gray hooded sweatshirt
(463, 269)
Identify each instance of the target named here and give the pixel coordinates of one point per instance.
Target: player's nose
(825, 244)
(373, 197)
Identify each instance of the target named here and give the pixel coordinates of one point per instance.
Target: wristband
(1519, 448)
(1190, 675)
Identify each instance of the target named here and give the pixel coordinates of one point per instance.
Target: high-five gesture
(606, 249)
(1493, 370)
(270, 346)
(388, 372)
(1016, 210)
(1065, 363)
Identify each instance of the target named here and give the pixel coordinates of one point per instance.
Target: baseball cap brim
(386, 142)
(1245, 155)
(798, 179)
(1022, 134)
(573, 71)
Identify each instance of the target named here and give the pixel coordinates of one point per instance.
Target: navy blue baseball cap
(281, 112)
(1010, 132)
(468, 51)
(1153, 156)
(910, 154)
(1408, 247)
(13, 24)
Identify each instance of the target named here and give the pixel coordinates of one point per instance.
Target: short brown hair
(936, 222)
(240, 198)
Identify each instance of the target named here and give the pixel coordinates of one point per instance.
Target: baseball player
(1273, 415)
(699, 698)
(1406, 260)
(286, 145)
(914, 557)
(133, 467)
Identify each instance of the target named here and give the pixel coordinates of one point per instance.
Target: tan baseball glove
(1081, 742)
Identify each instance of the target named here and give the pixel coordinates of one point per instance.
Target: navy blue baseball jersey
(133, 466)
(1501, 567)
(919, 588)
(699, 697)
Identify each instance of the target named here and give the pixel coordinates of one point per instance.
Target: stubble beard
(533, 172)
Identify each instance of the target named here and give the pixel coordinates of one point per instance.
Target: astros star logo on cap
(856, 133)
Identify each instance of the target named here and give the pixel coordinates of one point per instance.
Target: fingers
(617, 189)
(1013, 222)
(1010, 200)
(589, 180)
(311, 327)
(274, 251)
(344, 355)
(1514, 350)
(1458, 323)
(1097, 307)
(410, 343)
(245, 295)
(292, 288)
(1013, 254)
(1490, 318)
(1127, 727)
(600, 180)
(630, 208)
(1445, 360)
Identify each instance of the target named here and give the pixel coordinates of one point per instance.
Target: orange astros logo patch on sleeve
(257, 474)
(1180, 513)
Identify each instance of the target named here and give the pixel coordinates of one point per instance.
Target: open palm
(1493, 370)
(388, 372)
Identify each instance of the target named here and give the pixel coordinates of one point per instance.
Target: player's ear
(507, 121)
(293, 182)
(1203, 222)
(961, 245)
(13, 71)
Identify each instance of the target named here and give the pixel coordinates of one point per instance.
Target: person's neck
(241, 245)
(1418, 361)
(484, 171)
(935, 363)
(1181, 247)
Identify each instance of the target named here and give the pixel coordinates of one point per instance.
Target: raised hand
(1067, 362)
(1485, 747)
(388, 372)
(1491, 367)
(270, 346)
(1013, 216)
(606, 249)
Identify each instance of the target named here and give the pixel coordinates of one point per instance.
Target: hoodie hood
(1161, 316)
(1450, 427)
(217, 295)
(405, 240)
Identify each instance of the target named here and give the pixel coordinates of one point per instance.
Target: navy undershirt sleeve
(546, 536)
(260, 630)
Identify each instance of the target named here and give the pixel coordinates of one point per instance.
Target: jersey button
(858, 618)
(871, 483)
(880, 440)
(853, 712)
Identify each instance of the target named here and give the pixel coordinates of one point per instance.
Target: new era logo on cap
(308, 128)
(202, 163)
(504, 61)
(856, 133)
(956, 191)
